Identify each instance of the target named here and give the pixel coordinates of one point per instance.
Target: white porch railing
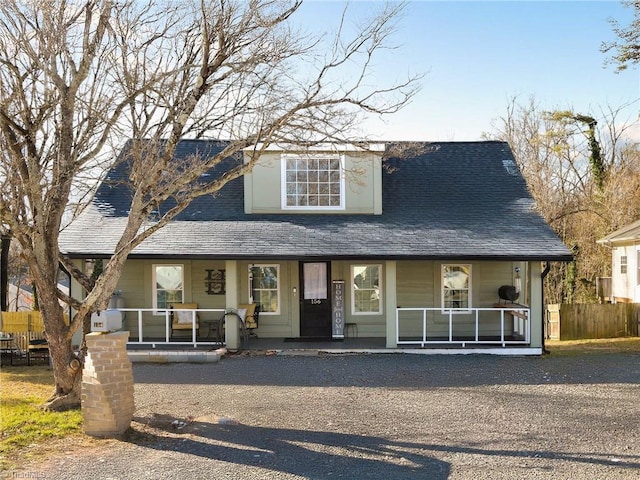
(156, 319)
(462, 326)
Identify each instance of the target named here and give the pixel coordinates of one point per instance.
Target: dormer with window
(323, 179)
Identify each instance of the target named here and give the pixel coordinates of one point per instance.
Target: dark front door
(315, 299)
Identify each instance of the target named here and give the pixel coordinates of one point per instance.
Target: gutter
(544, 273)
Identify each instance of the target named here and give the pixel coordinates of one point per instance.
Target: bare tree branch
(78, 79)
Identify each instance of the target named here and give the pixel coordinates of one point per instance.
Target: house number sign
(338, 309)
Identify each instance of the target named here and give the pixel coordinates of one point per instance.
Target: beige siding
(373, 325)
(136, 284)
(281, 324)
(419, 285)
(363, 186)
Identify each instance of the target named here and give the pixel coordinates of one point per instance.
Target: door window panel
(315, 281)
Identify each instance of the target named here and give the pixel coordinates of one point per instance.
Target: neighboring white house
(625, 263)
(19, 298)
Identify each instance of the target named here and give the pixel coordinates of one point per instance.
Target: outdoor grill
(508, 293)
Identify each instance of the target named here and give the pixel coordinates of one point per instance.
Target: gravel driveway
(375, 417)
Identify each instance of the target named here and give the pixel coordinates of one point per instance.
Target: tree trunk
(4, 274)
(67, 374)
(67, 366)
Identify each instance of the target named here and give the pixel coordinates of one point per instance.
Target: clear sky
(477, 55)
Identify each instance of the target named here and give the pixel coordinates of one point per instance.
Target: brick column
(107, 385)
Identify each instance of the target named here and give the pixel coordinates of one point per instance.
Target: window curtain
(315, 281)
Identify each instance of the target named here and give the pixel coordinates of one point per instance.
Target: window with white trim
(312, 182)
(366, 291)
(456, 286)
(168, 285)
(264, 287)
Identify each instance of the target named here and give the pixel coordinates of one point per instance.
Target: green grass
(24, 424)
(604, 345)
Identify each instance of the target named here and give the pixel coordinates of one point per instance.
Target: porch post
(391, 303)
(232, 328)
(537, 309)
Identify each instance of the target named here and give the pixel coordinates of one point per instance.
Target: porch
(501, 329)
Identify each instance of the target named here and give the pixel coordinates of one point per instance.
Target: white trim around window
(168, 286)
(456, 287)
(313, 181)
(366, 289)
(264, 287)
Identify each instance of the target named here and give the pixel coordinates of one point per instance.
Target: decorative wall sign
(215, 283)
(337, 329)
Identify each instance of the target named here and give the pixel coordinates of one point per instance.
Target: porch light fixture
(89, 265)
(518, 281)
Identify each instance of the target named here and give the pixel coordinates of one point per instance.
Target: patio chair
(19, 349)
(182, 320)
(30, 351)
(248, 314)
(38, 350)
(251, 314)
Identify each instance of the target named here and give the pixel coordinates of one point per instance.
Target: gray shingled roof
(457, 202)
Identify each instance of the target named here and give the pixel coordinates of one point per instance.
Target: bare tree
(79, 78)
(626, 49)
(584, 180)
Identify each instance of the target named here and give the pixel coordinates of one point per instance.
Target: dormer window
(312, 182)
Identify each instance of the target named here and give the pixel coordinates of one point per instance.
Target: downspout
(544, 273)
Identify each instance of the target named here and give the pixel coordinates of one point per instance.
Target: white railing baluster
(166, 324)
(521, 329)
(477, 325)
(153, 320)
(193, 328)
(424, 327)
(140, 337)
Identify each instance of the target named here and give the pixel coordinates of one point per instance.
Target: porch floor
(348, 344)
(360, 343)
(165, 353)
(260, 344)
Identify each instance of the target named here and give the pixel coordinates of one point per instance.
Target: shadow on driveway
(309, 454)
(321, 454)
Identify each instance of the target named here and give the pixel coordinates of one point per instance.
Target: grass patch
(24, 423)
(603, 345)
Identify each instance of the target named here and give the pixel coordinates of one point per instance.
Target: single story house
(411, 247)
(625, 263)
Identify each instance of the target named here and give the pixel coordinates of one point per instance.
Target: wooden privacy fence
(585, 321)
(22, 326)
(26, 321)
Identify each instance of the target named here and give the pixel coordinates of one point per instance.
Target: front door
(315, 303)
